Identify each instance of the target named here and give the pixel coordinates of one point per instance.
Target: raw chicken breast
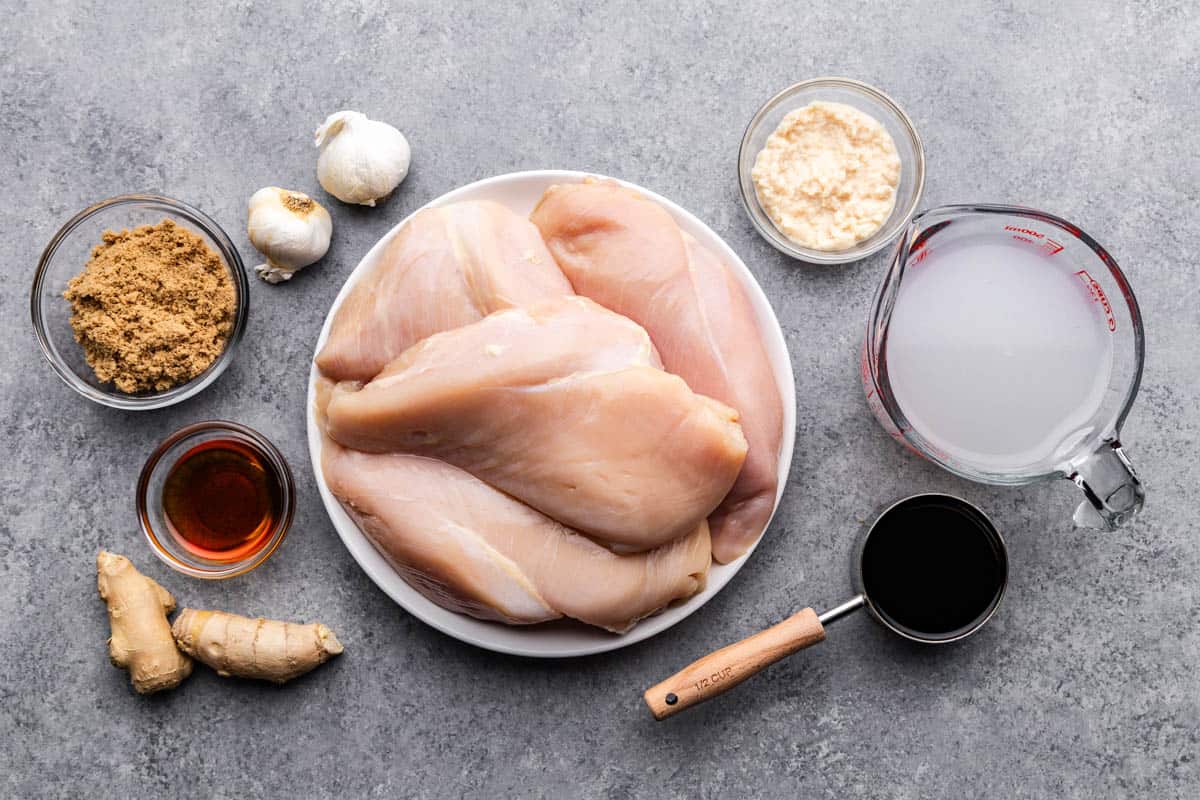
(626, 253)
(561, 406)
(527, 346)
(449, 266)
(473, 549)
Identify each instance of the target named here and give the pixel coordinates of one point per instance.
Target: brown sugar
(152, 308)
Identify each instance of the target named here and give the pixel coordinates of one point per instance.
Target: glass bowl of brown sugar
(139, 301)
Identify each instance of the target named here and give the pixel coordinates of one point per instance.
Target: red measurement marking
(1098, 296)
(1039, 240)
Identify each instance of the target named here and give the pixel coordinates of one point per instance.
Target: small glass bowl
(864, 98)
(150, 504)
(66, 256)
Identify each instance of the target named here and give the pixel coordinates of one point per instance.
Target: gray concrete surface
(1086, 685)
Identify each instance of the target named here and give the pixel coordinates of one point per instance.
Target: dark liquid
(222, 500)
(934, 567)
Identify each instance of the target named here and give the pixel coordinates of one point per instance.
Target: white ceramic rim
(520, 190)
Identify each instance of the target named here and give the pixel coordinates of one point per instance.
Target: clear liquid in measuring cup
(997, 354)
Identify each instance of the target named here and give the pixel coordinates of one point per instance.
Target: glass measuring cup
(1006, 345)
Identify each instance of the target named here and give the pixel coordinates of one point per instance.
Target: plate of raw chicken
(551, 414)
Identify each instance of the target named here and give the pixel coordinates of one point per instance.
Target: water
(997, 354)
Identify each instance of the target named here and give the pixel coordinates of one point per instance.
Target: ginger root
(141, 640)
(253, 648)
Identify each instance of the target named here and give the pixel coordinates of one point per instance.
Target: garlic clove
(290, 228)
(362, 160)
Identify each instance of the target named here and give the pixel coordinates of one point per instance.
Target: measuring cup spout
(1114, 493)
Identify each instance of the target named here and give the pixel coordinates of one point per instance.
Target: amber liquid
(222, 499)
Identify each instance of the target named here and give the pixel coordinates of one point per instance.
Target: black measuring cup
(932, 568)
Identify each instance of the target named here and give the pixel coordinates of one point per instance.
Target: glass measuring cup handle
(1114, 493)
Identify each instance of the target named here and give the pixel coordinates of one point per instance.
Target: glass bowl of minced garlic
(830, 170)
(139, 302)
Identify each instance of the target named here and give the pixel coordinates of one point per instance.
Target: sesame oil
(222, 499)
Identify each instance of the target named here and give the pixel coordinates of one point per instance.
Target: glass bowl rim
(767, 229)
(176, 394)
(287, 486)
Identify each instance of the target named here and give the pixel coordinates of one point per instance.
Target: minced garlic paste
(827, 176)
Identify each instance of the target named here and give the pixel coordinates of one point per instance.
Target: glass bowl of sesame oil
(215, 499)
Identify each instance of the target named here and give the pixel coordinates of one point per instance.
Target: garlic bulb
(290, 228)
(361, 160)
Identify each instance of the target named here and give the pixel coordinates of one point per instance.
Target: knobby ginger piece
(263, 649)
(141, 640)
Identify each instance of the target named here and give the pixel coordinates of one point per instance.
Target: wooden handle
(719, 672)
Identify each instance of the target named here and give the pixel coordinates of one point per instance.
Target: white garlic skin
(362, 160)
(290, 228)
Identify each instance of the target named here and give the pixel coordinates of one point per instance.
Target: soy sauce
(933, 566)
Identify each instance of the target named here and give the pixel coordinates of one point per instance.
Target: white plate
(520, 191)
